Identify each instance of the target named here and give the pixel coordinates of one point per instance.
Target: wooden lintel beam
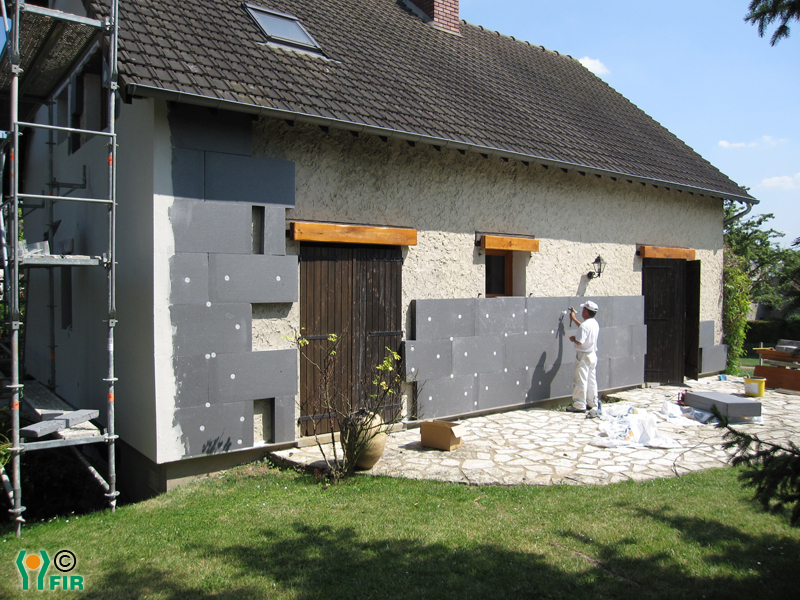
(664, 252)
(352, 234)
(504, 242)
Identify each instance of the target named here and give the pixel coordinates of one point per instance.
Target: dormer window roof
(282, 28)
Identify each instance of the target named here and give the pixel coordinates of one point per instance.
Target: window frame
(253, 9)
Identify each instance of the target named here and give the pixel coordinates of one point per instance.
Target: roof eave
(135, 89)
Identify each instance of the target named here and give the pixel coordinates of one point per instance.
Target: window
(282, 28)
(499, 270)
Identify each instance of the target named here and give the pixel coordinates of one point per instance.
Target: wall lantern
(599, 265)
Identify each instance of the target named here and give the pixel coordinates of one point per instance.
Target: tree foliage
(764, 13)
(735, 306)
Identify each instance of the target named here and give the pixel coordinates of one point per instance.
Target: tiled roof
(386, 71)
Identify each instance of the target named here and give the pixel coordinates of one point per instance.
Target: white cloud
(594, 65)
(784, 182)
(766, 141)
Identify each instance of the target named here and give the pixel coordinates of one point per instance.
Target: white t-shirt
(587, 336)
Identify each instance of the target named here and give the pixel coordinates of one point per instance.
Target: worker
(584, 391)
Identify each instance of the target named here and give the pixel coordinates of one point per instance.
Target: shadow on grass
(306, 561)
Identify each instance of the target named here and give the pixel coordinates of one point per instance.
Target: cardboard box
(443, 435)
(728, 405)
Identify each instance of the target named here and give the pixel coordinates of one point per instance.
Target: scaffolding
(44, 48)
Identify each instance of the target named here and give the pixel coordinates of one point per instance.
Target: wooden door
(354, 292)
(664, 291)
(692, 336)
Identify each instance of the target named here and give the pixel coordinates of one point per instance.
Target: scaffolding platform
(42, 406)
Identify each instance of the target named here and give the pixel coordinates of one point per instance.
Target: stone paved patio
(543, 447)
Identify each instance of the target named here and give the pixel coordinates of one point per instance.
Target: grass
(256, 532)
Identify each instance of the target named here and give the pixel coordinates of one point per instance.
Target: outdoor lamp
(599, 265)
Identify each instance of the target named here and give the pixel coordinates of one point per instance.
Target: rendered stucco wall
(448, 197)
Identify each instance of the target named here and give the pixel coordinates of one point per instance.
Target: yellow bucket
(754, 386)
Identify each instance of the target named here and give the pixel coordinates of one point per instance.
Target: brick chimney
(443, 12)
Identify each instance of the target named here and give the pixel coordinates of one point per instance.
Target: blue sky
(694, 66)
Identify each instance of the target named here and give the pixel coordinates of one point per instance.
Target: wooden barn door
(354, 292)
(664, 291)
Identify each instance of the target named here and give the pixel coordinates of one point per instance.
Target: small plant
(359, 415)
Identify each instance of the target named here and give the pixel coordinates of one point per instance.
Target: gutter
(135, 89)
(738, 216)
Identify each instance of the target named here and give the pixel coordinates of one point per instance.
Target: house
(377, 168)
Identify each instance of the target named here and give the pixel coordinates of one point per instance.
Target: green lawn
(256, 532)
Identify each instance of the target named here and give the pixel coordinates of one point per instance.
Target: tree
(766, 12)
(735, 306)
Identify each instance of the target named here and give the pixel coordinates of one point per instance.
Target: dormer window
(281, 28)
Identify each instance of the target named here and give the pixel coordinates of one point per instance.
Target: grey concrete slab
(429, 359)
(727, 404)
(202, 128)
(212, 330)
(447, 397)
(274, 230)
(625, 370)
(254, 278)
(706, 334)
(201, 226)
(284, 420)
(494, 316)
(506, 388)
(478, 355)
(249, 179)
(714, 358)
(191, 379)
(188, 173)
(215, 429)
(444, 319)
(252, 375)
(188, 278)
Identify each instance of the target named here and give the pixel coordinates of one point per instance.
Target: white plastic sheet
(624, 425)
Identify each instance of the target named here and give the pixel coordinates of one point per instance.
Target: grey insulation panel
(550, 381)
(614, 341)
(478, 355)
(211, 330)
(625, 370)
(706, 334)
(253, 375)
(536, 347)
(204, 226)
(446, 397)
(284, 421)
(188, 173)
(444, 319)
(624, 310)
(249, 179)
(215, 429)
(506, 388)
(254, 278)
(715, 359)
(191, 378)
(638, 340)
(275, 230)
(202, 128)
(188, 278)
(544, 314)
(727, 404)
(431, 359)
(495, 316)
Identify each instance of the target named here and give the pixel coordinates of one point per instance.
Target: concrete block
(249, 179)
(188, 173)
(444, 319)
(446, 397)
(200, 330)
(254, 278)
(188, 278)
(506, 388)
(215, 429)
(478, 355)
(424, 360)
(222, 227)
(625, 370)
(284, 420)
(191, 379)
(253, 375)
(727, 404)
(495, 316)
(714, 359)
(706, 334)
